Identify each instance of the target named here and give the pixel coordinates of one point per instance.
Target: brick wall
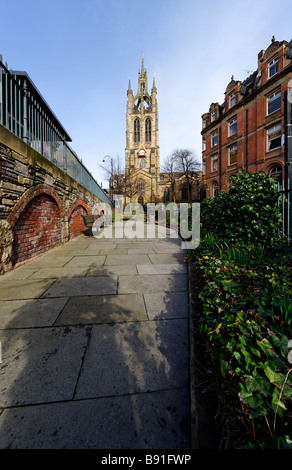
(40, 205)
(75, 222)
(253, 123)
(37, 229)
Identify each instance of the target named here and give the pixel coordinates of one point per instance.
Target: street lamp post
(111, 175)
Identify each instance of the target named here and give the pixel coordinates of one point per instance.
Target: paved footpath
(95, 347)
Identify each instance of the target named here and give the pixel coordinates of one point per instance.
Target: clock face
(142, 153)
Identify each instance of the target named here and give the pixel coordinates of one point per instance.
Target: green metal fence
(25, 113)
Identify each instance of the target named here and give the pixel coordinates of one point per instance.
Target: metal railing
(284, 202)
(25, 113)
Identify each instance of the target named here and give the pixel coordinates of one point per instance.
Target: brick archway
(74, 216)
(28, 196)
(36, 221)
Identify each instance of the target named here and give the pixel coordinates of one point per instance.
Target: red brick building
(247, 129)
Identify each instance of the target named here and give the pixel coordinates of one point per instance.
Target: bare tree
(188, 165)
(169, 169)
(130, 186)
(114, 172)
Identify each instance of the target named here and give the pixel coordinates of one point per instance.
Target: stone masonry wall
(40, 205)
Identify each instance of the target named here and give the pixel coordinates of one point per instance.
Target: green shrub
(246, 297)
(247, 322)
(249, 212)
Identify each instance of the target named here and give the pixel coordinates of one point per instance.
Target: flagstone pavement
(94, 337)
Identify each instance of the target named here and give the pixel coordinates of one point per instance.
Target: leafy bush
(247, 321)
(247, 213)
(246, 298)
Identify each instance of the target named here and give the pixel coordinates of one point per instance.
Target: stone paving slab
(140, 251)
(42, 364)
(82, 286)
(103, 309)
(167, 258)
(30, 313)
(116, 251)
(146, 283)
(23, 289)
(167, 305)
(49, 261)
(136, 357)
(19, 273)
(95, 337)
(100, 245)
(86, 261)
(166, 249)
(54, 273)
(111, 270)
(143, 421)
(162, 269)
(126, 259)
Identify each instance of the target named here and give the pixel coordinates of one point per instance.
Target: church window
(184, 192)
(166, 195)
(140, 185)
(136, 130)
(148, 130)
(142, 163)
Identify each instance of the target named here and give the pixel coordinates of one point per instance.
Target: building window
(274, 102)
(148, 130)
(231, 100)
(273, 67)
(204, 166)
(136, 130)
(213, 115)
(214, 138)
(203, 123)
(140, 185)
(232, 154)
(215, 189)
(166, 195)
(184, 192)
(232, 127)
(214, 163)
(142, 163)
(276, 172)
(204, 144)
(274, 137)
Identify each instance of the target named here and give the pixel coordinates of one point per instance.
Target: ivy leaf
(274, 377)
(257, 383)
(228, 285)
(277, 404)
(266, 347)
(286, 442)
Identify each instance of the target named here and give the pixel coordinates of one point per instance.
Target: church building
(143, 181)
(142, 168)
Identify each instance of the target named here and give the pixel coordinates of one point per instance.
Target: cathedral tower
(142, 144)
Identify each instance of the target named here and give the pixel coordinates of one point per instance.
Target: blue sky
(80, 53)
